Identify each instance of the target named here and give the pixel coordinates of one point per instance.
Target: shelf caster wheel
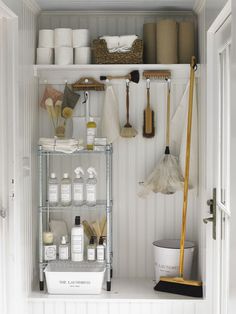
(111, 272)
(41, 285)
(108, 285)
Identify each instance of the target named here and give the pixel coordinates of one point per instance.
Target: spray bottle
(91, 187)
(78, 187)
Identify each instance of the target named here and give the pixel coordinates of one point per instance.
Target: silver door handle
(206, 220)
(212, 204)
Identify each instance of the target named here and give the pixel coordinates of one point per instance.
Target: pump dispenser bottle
(91, 187)
(78, 187)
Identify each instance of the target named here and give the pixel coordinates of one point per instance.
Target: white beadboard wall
(136, 222)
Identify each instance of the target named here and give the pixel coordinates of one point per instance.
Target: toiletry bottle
(77, 241)
(91, 250)
(91, 187)
(53, 190)
(78, 187)
(91, 133)
(65, 190)
(50, 249)
(63, 249)
(100, 251)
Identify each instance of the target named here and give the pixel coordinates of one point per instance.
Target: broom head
(128, 131)
(179, 285)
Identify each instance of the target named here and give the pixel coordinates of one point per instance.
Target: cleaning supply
(91, 187)
(91, 250)
(148, 124)
(63, 249)
(128, 130)
(166, 177)
(179, 285)
(50, 249)
(65, 190)
(53, 192)
(132, 77)
(91, 133)
(100, 251)
(78, 187)
(77, 241)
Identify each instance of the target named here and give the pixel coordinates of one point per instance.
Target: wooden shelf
(58, 74)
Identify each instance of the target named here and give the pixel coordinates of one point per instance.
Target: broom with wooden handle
(179, 285)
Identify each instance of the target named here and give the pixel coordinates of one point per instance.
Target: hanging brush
(128, 130)
(148, 125)
(148, 116)
(132, 77)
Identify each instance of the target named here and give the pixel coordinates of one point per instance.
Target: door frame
(214, 280)
(9, 223)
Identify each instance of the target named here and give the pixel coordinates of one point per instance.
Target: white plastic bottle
(91, 187)
(63, 249)
(77, 241)
(78, 187)
(53, 190)
(100, 251)
(65, 190)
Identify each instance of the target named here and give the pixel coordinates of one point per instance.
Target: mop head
(166, 178)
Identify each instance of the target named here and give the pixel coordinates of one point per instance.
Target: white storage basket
(74, 277)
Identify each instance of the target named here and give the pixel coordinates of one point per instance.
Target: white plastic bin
(74, 277)
(166, 258)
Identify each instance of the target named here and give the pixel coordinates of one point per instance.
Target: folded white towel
(119, 43)
(58, 145)
(110, 125)
(112, 41)
(127, 41)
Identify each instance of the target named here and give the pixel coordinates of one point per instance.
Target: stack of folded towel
(65, 146)
(119, 43)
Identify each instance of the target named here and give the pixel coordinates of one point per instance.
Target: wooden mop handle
(187, 164)
(168, 115)
(127, 101)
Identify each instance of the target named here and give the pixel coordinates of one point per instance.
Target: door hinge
(212, 204)
(3, 213)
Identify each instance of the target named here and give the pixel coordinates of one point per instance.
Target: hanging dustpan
(166, 177)
(83, 115)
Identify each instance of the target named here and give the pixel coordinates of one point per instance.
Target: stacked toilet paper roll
(81, 44)
(45, 46)
(149, 41)
(63, 46)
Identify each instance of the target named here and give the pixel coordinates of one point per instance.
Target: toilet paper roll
(83, 55)
(166, 42)
(64, 55)
(186, 41)
(44, 55)
(63, 37)
(46, 38)
(81, 38)
(149, 41)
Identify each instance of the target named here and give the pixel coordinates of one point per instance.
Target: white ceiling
(116, 4)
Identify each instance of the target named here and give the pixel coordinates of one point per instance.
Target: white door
(218, 137)
(8, 92)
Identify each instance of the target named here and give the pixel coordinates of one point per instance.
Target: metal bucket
(166, 258)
